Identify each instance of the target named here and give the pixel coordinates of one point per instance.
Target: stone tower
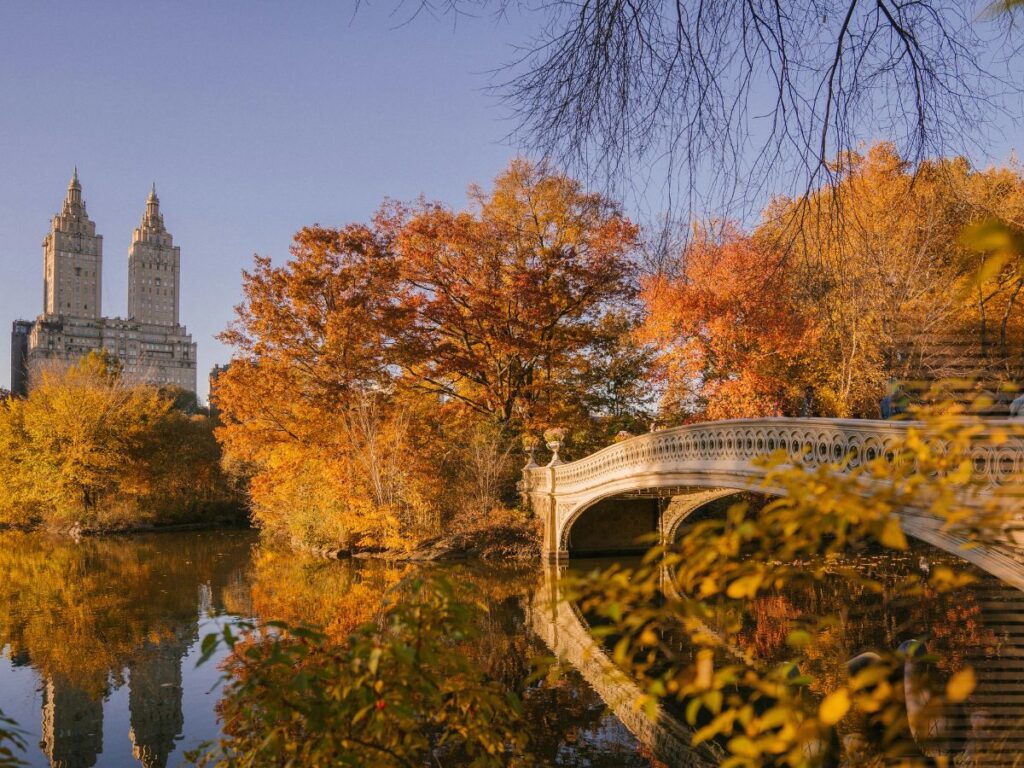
(72, 260)
(154, 266)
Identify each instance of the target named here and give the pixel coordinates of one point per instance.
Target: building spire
(74, 197)
(152, 219)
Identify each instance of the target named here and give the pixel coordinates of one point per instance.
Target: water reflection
(98, 617)
(99, 642)
(100, 638)
(981, 626)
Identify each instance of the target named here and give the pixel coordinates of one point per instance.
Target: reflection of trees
(82, 613)
(83, 610)
(118, 612)
(564, 714)
(861, 618)
(301, 588)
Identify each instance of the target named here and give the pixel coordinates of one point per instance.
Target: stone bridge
(602, 503)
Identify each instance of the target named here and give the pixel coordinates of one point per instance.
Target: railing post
(553, 552)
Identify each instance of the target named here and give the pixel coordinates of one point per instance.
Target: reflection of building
(72, 725)
(152, 344)
(154, 700)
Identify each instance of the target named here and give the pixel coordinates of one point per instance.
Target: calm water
(100, 639)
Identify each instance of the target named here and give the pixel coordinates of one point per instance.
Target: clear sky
(253, 118)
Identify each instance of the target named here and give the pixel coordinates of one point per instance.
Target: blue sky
(253, 119)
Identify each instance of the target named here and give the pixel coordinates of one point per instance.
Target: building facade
(151, 343)
(20, 332)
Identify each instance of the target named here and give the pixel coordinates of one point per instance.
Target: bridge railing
(736, 443)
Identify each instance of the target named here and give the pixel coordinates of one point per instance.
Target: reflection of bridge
(559, 625)
(987, 731)
(620, 490)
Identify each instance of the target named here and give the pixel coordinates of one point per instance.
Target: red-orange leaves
(729, 329)
(324, 317)
(504, 295)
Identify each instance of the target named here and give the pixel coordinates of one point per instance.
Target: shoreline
(78, 533)
(434, 550)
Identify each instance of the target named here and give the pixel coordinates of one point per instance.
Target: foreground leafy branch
(11, 743)
(398, 693)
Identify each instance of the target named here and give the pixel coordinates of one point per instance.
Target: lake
(100, 640)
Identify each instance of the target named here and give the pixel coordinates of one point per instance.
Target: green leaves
(11, 743)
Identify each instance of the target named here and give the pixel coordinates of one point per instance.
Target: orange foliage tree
(889, 281)
(835, 296)
(383, 362)
(505, 296)
(732, 335)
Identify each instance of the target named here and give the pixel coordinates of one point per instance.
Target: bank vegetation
(87, 451)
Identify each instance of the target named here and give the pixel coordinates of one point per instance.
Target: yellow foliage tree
(86, 449)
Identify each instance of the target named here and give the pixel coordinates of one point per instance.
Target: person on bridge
(1017, 407)
(808, 406)
(895, 403)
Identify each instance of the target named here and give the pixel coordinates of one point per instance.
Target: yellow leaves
(945, 579)
(962, 474)
(961, 685)
(88, 448)
(744, 587)
(704, 669)
(834, 707)
(722, 723)
(891, 534)
(1002, 242)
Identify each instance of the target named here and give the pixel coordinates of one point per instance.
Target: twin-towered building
(151, 342)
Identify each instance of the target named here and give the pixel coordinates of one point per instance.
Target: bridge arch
(623, 518)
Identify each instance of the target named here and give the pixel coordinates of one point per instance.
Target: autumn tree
(88, 449)
(504, 296)
(732, 336)
(877, 288)
(611, 376)
(382, 374)
(305, 402)
(890, 281)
